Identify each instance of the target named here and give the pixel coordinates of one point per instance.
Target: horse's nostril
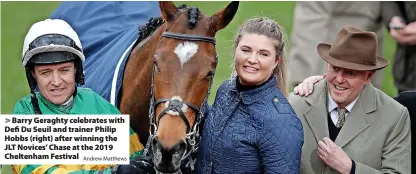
(167, 159)
(177, 149)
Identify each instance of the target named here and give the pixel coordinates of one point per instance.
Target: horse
(167, 80)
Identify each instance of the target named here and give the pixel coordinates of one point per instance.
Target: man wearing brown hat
(349, 125)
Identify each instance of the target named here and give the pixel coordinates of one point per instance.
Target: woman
(251, 127)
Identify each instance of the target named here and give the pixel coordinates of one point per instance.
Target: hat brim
(51, 48)
(52, 57)
(323, 51)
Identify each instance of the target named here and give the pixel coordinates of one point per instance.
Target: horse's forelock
(193, 16)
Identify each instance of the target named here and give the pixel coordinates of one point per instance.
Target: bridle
(175, 105)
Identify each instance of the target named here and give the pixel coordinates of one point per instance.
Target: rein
(175, 105)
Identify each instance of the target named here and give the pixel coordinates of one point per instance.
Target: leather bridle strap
(189, 37)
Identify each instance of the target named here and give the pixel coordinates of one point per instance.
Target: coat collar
(251, 96)
(317, 115)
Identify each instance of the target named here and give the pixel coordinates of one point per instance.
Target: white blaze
(185, 51)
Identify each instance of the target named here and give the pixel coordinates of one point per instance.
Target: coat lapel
(357, 120)
(317, 116)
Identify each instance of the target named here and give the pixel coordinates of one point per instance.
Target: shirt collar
(332, 105)
(69, 101)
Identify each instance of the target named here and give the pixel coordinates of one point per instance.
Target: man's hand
(306, 87)
(410, 34)
(334, 156)
(402, 33)
(410, 28)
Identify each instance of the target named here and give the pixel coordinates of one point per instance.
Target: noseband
(176, 105)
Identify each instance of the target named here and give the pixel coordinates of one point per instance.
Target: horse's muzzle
(167, 160)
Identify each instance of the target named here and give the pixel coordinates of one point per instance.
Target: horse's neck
(135, 95)
(137, 76)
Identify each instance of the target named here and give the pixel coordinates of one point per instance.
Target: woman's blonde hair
(271, 29)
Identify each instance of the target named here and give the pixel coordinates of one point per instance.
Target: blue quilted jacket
(254, 131)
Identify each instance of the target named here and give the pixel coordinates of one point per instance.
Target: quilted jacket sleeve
(280, 145)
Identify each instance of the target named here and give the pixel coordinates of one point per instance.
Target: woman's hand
(306, 87)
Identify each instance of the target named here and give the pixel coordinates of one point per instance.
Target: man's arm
(136, 148)
(397, 151)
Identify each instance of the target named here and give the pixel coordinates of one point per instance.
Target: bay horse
(167, 80)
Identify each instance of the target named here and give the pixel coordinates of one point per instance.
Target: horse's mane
(148, 28)
(155, 22)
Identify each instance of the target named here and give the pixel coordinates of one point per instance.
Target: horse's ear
(168, 10)
(223, 17)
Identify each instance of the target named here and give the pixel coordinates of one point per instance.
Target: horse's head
(184, 64)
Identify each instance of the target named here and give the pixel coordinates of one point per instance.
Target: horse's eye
(210, 74)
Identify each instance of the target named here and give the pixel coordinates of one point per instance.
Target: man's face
(55, 82)
(345, 85)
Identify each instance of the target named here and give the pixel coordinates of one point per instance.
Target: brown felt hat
(353, 49)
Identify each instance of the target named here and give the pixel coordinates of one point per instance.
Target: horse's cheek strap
(188, 126)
